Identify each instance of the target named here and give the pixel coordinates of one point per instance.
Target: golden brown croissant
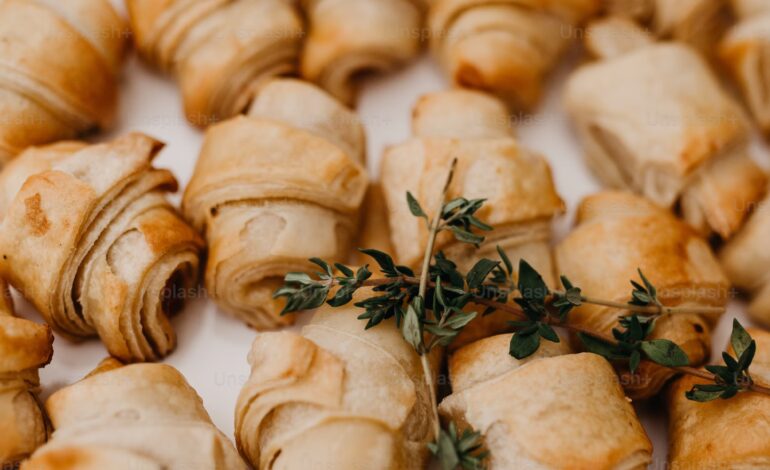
(521, 199)
(504, 47)
(336, 397)
(552, 410)
(59, 65)
(744, 51)
(654, 119)
(722, 434)
(25, 347)
(138, 417)
(219, 50)
(89, 238)
(618, 233)
(273, 189)
(350, 37)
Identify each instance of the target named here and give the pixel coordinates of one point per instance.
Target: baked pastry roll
(746, 262)
(336, 397)
(504, 47)
(273, 189)
(656, 121)
(219, 50)
(383, 35)
(745, 52)
(140, 416)
(517, 184)
(526, 420)
(25, 347)
(722, 433)
(59, 64)
(89, 238)
(618, 233)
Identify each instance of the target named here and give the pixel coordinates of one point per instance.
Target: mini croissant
(138, 417)
(521, 198)
(219, 50)
(59, 64)
(25, 347)
(273, 189)
(336, 397)
(619, 233)
(745, 51)
(552, 410)
(89, 238)
(654, 119)
(722, 433)
(349, 37)
(504, 47)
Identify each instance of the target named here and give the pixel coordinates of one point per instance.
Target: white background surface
(212, 345)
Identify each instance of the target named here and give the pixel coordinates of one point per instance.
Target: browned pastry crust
(618, 233)
(59, 65)
(722, 434)
(273, 189)
(219, 50)
(89, 238)
(135, 417)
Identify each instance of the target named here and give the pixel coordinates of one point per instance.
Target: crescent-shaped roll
(25, 347)
(504, 47)
(745, 52)
(746, 262)
(552, 410)
(219, 50)
(273, 189)
(656, 121)
(348, 38)
(618, 233)
(722, 434)
(521, 199)
(89, 238)
(59, 66)
(335, 397)
(133, 417)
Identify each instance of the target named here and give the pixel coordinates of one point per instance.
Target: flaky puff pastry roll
(618, 233)
(89, 238)
(504, 47)
(138, 417)
(219, 50)
(347, 38)
(746, 261)
(25, 347)
(521, 199)
(722, 434)
(745, 52)
(273, 189)
(336, 397)
(59, 65)
(552, 410)
(653, 119)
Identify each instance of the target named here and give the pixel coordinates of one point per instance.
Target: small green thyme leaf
(665, 352)
(414, 206)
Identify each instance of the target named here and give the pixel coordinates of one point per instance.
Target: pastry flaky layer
(618, 233)
(335, 397)
(137, 417)
(220, 50)
(273, 189)
(722, 434)
(59, 64)
(656, 121)
(512, 404)
(347, 38)
(505, 47)
(25, 347)
(517, 184)
(89, 238)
